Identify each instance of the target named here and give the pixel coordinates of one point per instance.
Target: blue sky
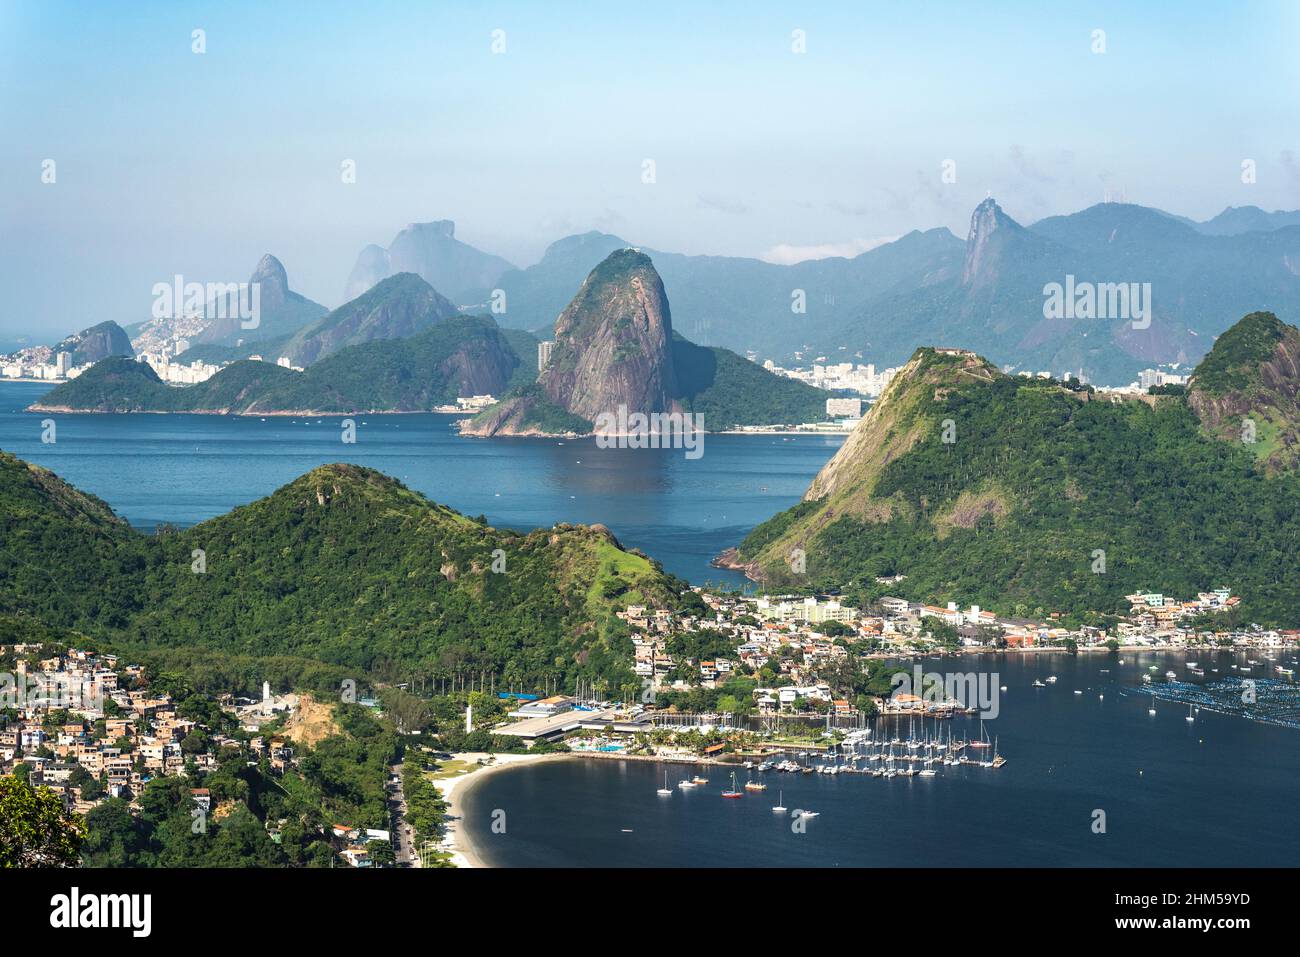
(171, 162)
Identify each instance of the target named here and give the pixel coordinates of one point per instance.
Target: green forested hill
(1036, 482)
(343, 566)
(455, 357)
(728, 390)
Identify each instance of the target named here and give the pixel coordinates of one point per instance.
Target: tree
(35, 831)
(381, 852)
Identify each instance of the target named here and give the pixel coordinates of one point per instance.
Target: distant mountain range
(1026, 497)
(432, 252)
(986, 293)
(401, 347)
(451, 358)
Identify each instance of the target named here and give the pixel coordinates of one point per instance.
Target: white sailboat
(665, 791)
(780, 803)
(1190, 716)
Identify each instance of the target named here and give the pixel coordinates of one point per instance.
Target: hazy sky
(168, 161)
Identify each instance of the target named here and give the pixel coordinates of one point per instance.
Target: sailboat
(779, 808)
(1152, 709)
(1190, 716)
(665, 790)
(734, 792)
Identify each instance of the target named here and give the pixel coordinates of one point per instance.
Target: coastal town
(760, 683)
(91, 729)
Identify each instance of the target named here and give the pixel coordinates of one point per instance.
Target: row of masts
(896, 756)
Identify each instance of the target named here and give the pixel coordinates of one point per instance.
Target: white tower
(266, 697)
(469, 718)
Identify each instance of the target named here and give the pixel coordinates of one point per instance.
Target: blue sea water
(1217, 791)
(183, 469)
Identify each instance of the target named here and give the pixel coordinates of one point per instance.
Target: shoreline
(455, 790)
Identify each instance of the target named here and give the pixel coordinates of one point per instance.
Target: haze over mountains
(984, 293)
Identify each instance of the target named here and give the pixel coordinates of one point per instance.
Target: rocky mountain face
(282, 311)
(400, 306)
(432, 252)
(613, 348)
(1246, 390)
(613, 342)
(98, 342)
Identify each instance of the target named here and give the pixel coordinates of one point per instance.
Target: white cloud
(786, 254)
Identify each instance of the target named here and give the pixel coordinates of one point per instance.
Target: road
(402, 843)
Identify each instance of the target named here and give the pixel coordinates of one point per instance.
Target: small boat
(1190, 716)
(779, 807)
(1152, 709)
(1039, 684)
(809, 813)
(1077, 691)
(1051, 679)
(733, 793)
(755, 786)
(1284, 671)
(666, 790)
(1193, 664)
(1171, 675)
(685, 783)
(927, 772)
(700, 780)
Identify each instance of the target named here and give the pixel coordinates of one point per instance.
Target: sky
(167, 160)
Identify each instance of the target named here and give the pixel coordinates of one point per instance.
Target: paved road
(397, 813)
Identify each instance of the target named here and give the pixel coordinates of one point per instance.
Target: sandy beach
(454, 790)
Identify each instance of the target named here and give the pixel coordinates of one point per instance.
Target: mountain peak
(440, 228)
(1247, 389)
(272, 279)
(989, 225)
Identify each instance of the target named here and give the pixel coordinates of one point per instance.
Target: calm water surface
(186, 468)
(1216, 791)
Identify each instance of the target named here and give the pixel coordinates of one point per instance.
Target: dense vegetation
(339, 781)
(342, 572)
(455, 357)
(1038, 482)
(1230, 365)
(729, 390)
